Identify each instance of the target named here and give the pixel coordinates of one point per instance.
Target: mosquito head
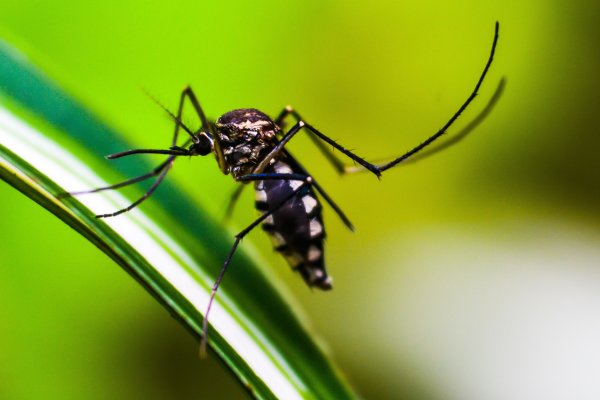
(203, 144)
(245, 125)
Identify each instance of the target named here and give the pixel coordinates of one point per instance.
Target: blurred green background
(473, 274)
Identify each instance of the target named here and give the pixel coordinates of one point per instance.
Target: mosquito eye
(204, 145)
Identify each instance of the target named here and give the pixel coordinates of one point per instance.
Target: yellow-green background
(474, 274)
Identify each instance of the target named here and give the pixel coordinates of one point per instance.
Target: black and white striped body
(296, 229)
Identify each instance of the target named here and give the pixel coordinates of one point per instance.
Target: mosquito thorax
(246, 136)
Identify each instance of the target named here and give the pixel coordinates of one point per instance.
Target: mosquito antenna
(177, 120)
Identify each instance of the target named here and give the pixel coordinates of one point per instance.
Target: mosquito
(251, 146)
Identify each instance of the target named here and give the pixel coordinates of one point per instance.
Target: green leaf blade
(255, 331)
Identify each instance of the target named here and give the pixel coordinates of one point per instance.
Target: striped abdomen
(296, 229)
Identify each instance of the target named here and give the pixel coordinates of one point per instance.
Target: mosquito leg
(454, 139)
(342, 169)
(140, 178)
(157, 170)
(179, 114)
(307, 181)
(467, 129)
(206, 126)
(271, 177)
(377, 170)
(337, 164)
(145, 196)
(335, 207)
(163, 168)
(295, 129)
(280, 120)
(279, 147)
(174, 151)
